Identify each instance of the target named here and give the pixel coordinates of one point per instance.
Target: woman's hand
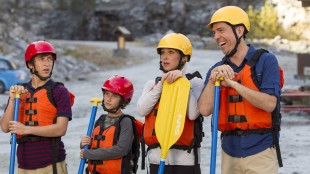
(171, 76)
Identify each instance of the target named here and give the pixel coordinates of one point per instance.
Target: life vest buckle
(96, 162)
(31, 112)
(237, 118)
(99, 137)
(235, 98)
(31, 123)
(31, 100)
(240, 133)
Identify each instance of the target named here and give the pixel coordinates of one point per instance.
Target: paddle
(215, 125)
(13, 142)
(171, 116)
(96, 101)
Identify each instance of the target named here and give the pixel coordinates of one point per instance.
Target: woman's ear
(185, 59)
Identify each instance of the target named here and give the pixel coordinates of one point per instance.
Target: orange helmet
(38, 47)
(119, 85)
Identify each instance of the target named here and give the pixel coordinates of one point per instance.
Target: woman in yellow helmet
(249, 97)
(175, 51)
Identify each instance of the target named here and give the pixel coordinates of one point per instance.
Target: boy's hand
(85, 141)
(17, 89)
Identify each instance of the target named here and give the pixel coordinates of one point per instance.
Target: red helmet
(38, 47)
(119, 85)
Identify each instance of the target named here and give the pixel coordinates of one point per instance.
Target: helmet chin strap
(113, 111)
(40, 77)
(234, 50)
(35, 72)
(179, 67)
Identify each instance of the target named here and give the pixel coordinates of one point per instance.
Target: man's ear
(240, 30)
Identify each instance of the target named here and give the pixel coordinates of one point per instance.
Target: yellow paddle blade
(171, 113)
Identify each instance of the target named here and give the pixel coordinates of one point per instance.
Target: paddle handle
(215, 126)
(13, 140)
(90, 129)
(161, 166)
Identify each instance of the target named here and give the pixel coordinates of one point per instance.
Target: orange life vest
(150, 139)
(108, 137)
(35, 109)
(236, 113)
(192, 133)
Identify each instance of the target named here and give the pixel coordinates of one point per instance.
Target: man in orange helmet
(44, 113)
(249, 97)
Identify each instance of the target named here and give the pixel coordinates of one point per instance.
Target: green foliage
(264, 22)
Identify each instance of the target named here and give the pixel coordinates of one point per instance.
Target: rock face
(22, 22)
(97, 19)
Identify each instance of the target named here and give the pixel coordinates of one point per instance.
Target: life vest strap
(235, 98)
(237, 118)
(239, 132)
(96, 162)
(31, 123)
(31, 112)
(180, 147)
(32, 139)
(153, 132)
(31, 100)
(99, 137)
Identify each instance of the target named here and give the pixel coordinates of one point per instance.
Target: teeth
(221, 43)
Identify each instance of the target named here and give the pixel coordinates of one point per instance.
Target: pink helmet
(119, 85)
(38, 47)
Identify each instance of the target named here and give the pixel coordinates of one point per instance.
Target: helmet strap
(234, 50)
(113, 111)
(35, 72)
(179, 67)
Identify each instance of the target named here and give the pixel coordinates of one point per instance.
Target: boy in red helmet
(113, 134)
(44, 113)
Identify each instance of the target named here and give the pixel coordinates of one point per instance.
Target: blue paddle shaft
(214, 128)
(89, 132)
(161, 166)
(13, 143)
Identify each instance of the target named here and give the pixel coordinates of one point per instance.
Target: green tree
(264, 22)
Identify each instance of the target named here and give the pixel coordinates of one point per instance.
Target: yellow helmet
(231, 14)
(176, 41)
